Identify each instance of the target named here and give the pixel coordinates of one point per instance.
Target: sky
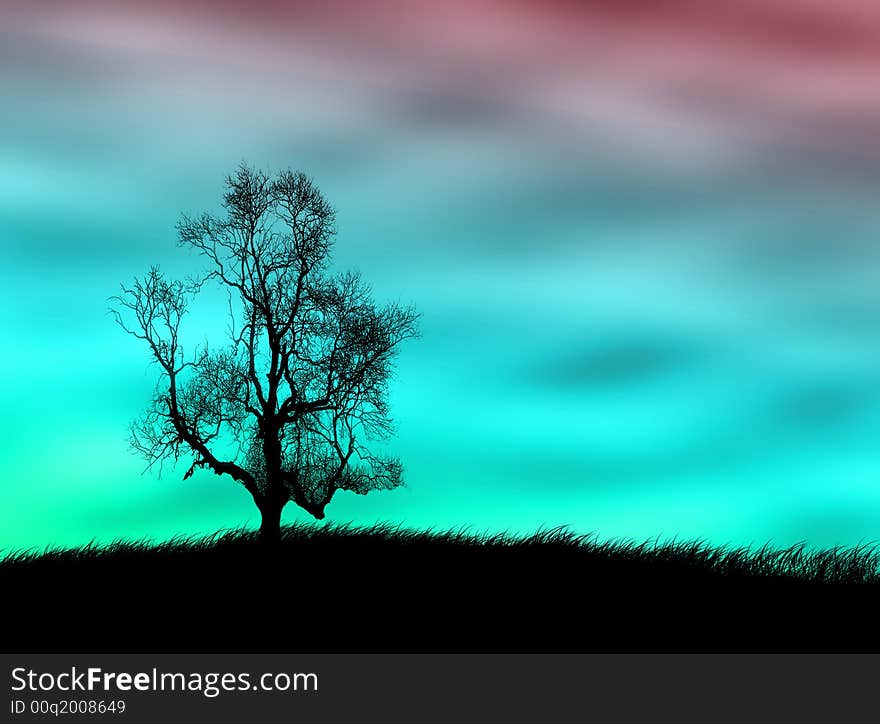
(643, 238)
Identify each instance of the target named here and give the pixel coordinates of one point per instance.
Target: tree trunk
(270, 525)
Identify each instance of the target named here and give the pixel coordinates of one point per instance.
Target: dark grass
(390, 589)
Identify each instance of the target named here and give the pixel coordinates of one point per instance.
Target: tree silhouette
(290, 405)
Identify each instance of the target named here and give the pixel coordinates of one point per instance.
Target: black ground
(341, 590)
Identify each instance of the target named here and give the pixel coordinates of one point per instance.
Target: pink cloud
(794, 68)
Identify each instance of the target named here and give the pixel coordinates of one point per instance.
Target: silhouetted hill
(385, 589)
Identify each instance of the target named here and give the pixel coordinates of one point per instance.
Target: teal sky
(638, 320)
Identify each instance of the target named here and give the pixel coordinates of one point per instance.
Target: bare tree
(290, 405)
